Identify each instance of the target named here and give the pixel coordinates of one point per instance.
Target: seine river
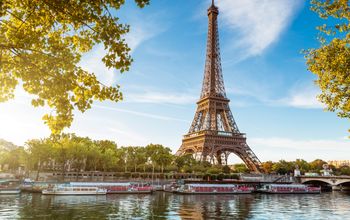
(160, 205)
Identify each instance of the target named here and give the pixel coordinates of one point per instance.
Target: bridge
(336, 182)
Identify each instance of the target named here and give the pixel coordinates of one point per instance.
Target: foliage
(267, 166)
(69, 152)
(303, 165)
(317, 165)
(331, 62)
(226, 169)
(283, 167)
(14, 158)
(41, 44)
(6, 145)
(344, 170)
(40, 151)
(214, 170)
(241, 168)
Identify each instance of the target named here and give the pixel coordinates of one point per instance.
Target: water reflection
(160, 205)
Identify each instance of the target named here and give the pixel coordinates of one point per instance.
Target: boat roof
(210, 185)
(286, 185)
(98, 184)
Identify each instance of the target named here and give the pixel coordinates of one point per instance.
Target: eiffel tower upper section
(213, 113)
(213, 83)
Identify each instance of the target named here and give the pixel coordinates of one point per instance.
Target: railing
(219, 133)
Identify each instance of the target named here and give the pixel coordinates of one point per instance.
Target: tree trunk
(78, 172)
(38, 172)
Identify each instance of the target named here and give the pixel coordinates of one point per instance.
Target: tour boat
(74, 190)
(113, 187)
(197, 188)
(9, 187)
(289, 189)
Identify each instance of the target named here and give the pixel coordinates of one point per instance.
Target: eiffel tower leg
(218, 157)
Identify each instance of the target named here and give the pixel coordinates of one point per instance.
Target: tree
(61, 146)
(303, 165)
(41, 44)
(331, 62)
(108, 154)
(13, 158)
(158, 155)
(344, 170)
(141, 158)
(6, 145)
(241, 168)
(267, 166)
(123, 155)
(164, 157)
(317, 165)
(93, 157)
(40, 153)
(283, 167)
(78, 153)
(185, 160)
(226, 169)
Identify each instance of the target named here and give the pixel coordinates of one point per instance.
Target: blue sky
(273, 97)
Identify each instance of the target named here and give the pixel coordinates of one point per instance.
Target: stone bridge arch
(310, 181)
(342, 182)
(332, 180)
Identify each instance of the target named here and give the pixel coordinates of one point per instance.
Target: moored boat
(115, 187)
(172, 187)
(35, 187)
(198, 188)
(74, 190)
(9, 187)
(289, 189)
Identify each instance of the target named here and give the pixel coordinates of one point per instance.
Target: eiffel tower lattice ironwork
(214, 135)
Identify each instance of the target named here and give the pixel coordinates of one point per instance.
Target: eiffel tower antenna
(213, 134)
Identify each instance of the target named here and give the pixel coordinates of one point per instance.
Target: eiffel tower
(214, 134)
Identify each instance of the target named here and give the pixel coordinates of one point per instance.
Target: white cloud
(141, 31)
(303, 97)
(142, 114)
(259, 23)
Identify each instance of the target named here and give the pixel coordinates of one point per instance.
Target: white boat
(289, 189)
(117, 187)
(74, 190)
(198, 188)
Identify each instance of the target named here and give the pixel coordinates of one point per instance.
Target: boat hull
(10, 191)
(73, 193)
(272, 192)
(129, 192)
(211, 193)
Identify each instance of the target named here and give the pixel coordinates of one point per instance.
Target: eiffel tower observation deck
(214, 134)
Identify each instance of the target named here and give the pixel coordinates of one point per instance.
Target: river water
(161, 205)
